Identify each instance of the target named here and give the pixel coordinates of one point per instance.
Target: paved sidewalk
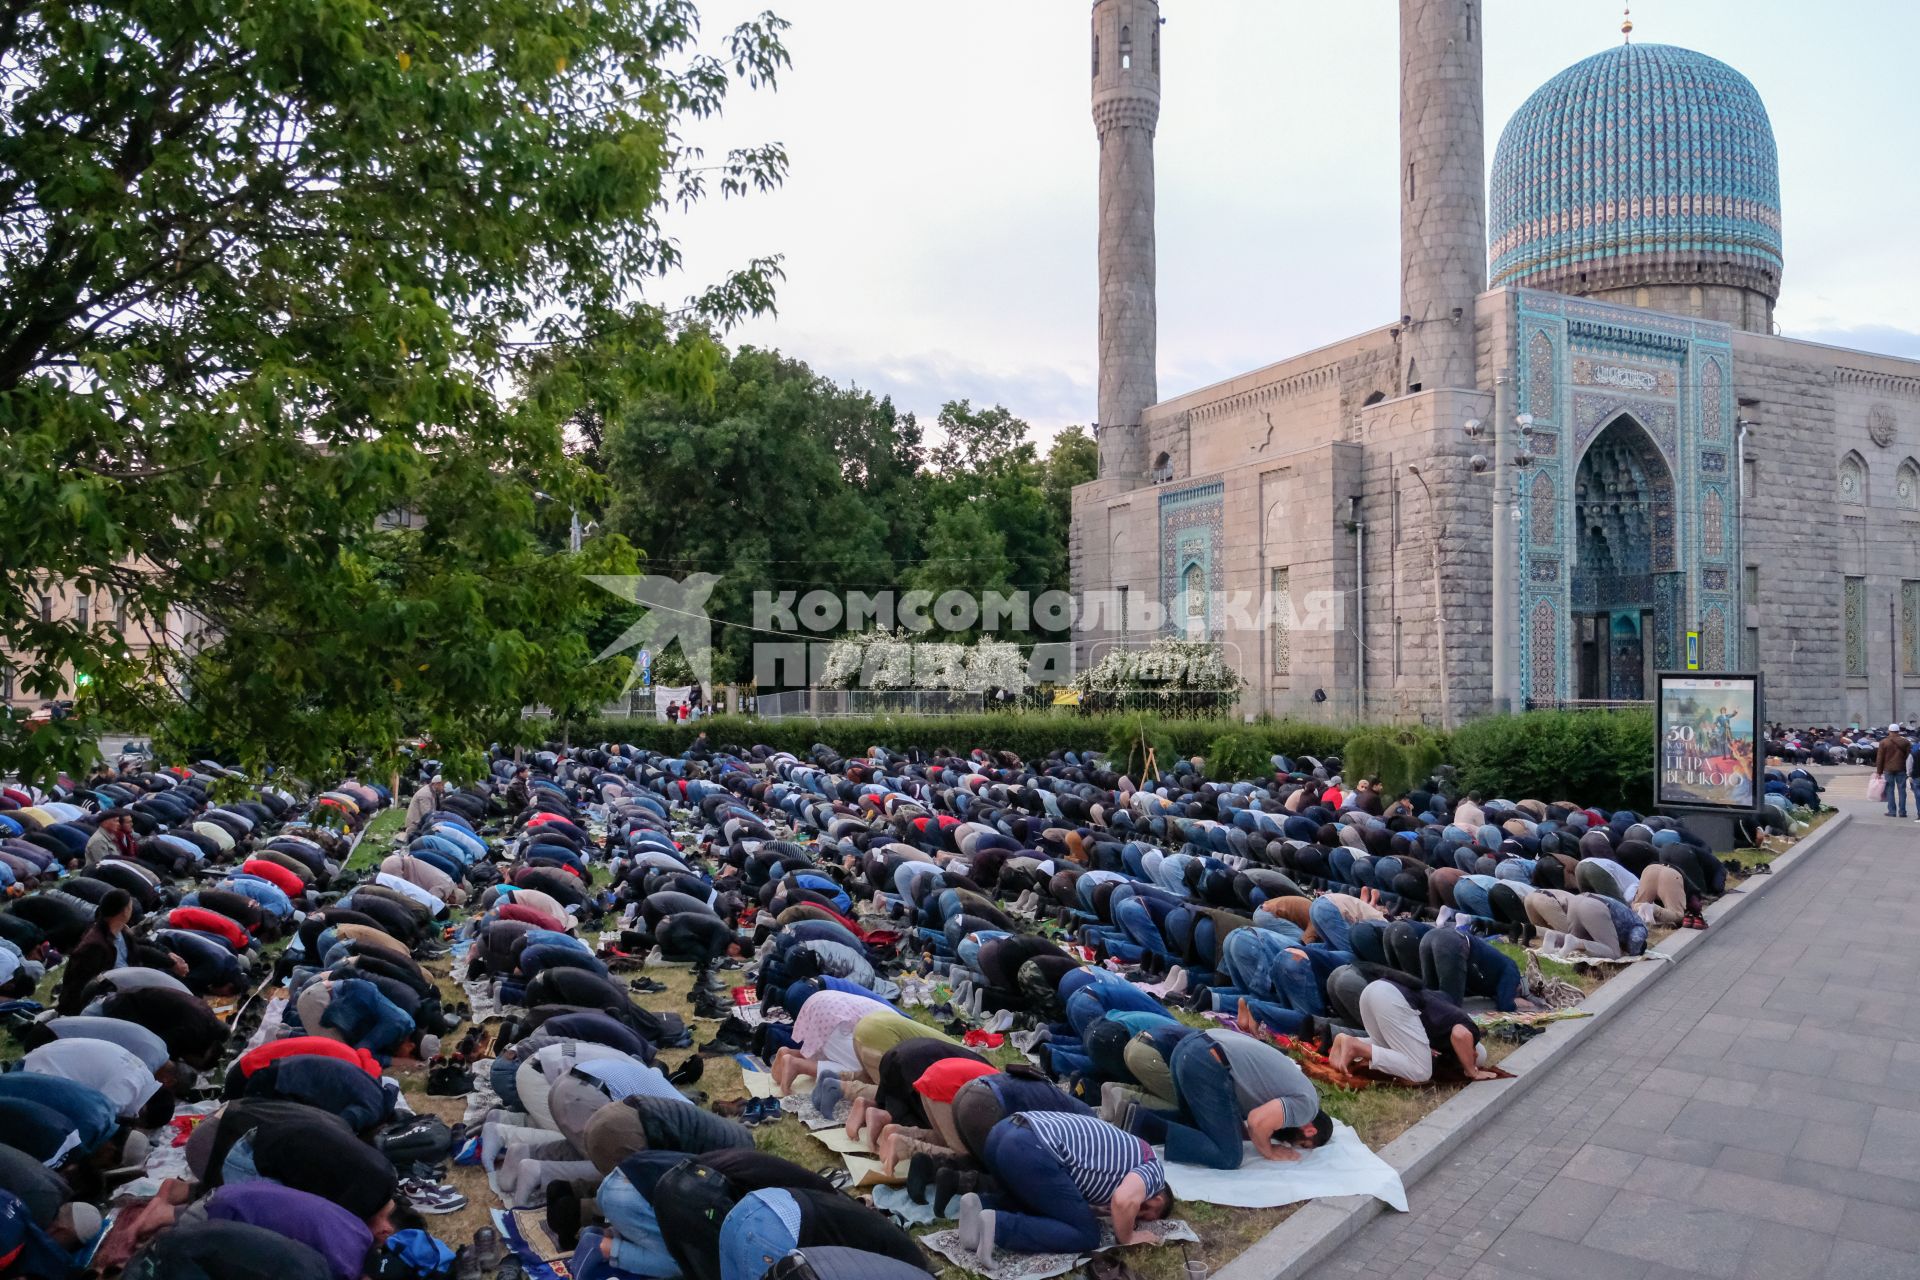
(1755, 1115)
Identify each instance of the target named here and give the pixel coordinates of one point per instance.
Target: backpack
(691, 1202)
(420, 1140)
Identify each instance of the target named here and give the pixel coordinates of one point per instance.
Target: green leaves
(272, 273)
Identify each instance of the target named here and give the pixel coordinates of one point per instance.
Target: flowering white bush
(890, 660)
(1168, 663)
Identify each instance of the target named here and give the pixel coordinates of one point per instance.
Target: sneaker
(432, 1197)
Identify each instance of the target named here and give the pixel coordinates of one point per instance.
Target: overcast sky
(938, 225)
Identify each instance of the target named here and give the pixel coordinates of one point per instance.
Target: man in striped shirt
(1060, 1172)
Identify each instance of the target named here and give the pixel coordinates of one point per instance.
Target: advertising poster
(1708, 735)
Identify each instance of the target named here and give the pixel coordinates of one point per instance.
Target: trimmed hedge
(1030, 735)
(1401, 759)
(1591, 757)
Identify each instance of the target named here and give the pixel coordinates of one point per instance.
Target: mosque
(1580, 455)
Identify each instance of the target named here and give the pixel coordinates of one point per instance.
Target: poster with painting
(1707, 752)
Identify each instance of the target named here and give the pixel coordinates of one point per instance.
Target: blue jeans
(1329, 924)
(753, 1237)
(1086, 1005)
(1208, 1129)
(637, 1244)
(1042, 1210)
(1896, 789)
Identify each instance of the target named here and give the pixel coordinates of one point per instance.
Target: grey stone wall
(1812, 406)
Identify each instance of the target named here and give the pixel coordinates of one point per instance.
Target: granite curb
(1311, 1235)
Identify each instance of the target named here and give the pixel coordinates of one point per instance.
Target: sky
(938, 225)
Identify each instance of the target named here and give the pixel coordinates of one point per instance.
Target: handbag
(1877, 787)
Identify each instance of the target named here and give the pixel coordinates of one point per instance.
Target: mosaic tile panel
(1544, 570)
(1190, 539)
(1854, 616)
(1853, 481)
(1543, 648)
(1541, 376)
(1546, 512)
(1713, 640)
(1712, 413)
(1713, 526)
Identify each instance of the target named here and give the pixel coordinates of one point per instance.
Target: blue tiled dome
(1644, 165)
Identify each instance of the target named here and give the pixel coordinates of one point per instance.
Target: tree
(780, 482)
(270, 271)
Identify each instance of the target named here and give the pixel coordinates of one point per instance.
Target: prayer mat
(1037, 1266)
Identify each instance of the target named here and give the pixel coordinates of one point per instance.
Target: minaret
(1443, 186)
(1126, 107)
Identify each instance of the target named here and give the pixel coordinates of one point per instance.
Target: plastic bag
(1877, 787)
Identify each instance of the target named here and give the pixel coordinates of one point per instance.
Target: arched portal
(1625, 565)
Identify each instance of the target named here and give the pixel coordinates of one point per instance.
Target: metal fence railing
(849, 703)
(1588, 704)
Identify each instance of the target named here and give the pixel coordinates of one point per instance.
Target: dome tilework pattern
(1646, 164)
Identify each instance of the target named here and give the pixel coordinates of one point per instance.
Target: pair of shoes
(759, 1111)
(645, 985)
(449, 1080)
(976, 1229)
(432, 1197)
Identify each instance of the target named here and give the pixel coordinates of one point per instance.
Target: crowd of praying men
(1034, 990)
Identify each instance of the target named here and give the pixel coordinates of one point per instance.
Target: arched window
(1162, 468)
(1373, 397)
(1853, 480)
(1907, 488)
(1126, 48)
(1156, 51)
(1096, 56)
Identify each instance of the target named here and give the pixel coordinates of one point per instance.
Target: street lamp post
(1504, 585)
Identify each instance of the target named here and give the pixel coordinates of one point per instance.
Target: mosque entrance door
(1624, 559)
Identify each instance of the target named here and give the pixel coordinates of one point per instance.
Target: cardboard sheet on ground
(1344, 1167)
(866, 1171)
(1037, 1266)
(759, 1083)
(834, 1138)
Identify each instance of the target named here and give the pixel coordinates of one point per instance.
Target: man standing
(425, 803)
(1890, 762)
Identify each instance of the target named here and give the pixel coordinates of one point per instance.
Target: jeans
(753, 1237)
(1086, 1005)
(637, 1244)
(1208, 1129)
(1896, 789)
(1043, 1210)
(1329, 924)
